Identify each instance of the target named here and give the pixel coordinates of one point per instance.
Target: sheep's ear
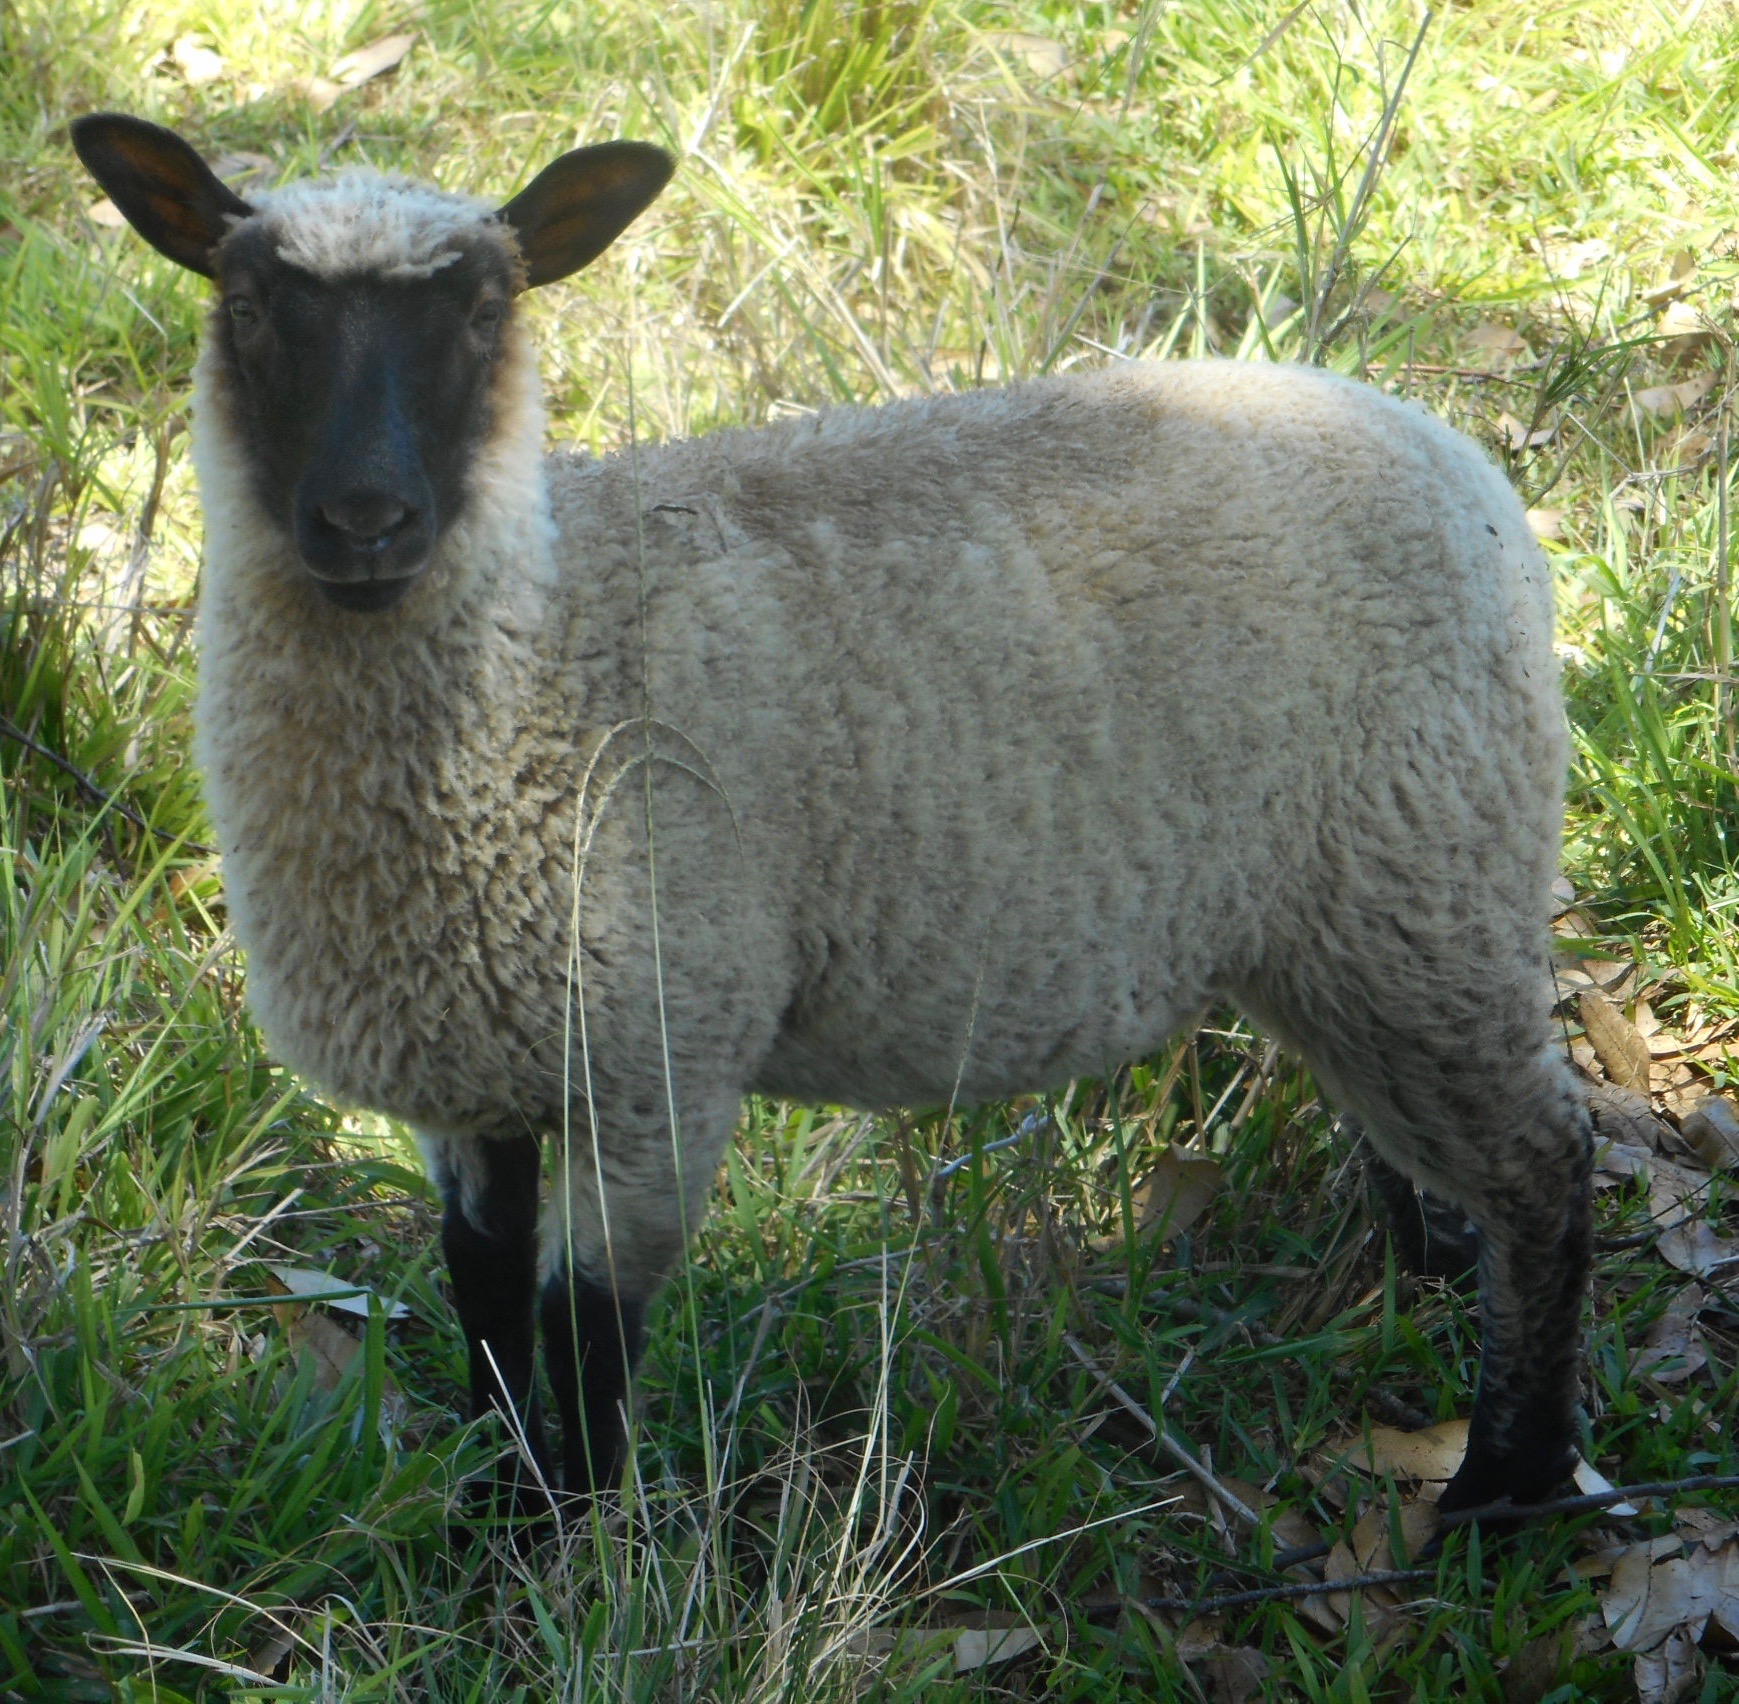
(169, 195)
(578, 205)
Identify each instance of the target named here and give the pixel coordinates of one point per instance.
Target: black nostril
(367, 519)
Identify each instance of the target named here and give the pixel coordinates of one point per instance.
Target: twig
(100, 794)
(1293, 1589)
(1226, 1499)
(1592, 1500)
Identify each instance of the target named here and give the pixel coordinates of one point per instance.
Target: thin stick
(1293, 1589)
(101, 795)
(1226, 1499)
(1593, 1499)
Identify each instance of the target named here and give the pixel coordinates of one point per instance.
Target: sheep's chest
(402, 903)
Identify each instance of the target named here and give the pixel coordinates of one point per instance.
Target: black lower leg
(1533, 1283)
(592, 1336)
(489, 1234)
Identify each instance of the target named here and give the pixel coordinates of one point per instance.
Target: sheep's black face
(362, 398)
(363, 402)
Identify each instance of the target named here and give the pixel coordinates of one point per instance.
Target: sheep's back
(1047, 713)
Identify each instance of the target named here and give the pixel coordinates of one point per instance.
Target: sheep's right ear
(578, 205)
(170, 196)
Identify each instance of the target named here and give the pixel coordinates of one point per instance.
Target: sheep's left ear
(578, 205)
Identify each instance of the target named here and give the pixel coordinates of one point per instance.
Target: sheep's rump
(1047, 714)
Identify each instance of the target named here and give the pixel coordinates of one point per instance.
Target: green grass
(864, 1426)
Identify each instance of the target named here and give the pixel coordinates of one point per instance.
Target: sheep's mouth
(365, 597)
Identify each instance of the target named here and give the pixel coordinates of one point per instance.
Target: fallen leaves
(375, 60)
(1372, 1550)
(1616, 1041)
(1652, 1595)
(1177, 1191)
(320, 1341)
(355, 69)
(1430, 1456)
(1667, 400)
(1674, 1348)
(1498, 342)
(196, 61)
(1521, 437)
(1711, 1128)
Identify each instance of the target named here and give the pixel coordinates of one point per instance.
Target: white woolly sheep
(979, 742)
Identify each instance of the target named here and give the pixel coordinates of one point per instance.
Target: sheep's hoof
(1507, 1486)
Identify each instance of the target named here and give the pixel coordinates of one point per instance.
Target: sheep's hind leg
(489, 1188)
(1536, 1240)
(1514, 1155)
(1462, 1091)
(1433, 1237)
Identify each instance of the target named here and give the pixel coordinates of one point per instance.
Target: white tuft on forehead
(365, 222)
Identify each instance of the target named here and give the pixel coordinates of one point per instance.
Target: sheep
(928, 753)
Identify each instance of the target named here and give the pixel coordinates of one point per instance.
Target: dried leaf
(1674, 1348)
(1534, 1669)
(1692, 1246)
(1680, 275)
(1195, 1640)
(1498, 342)
(1431, 1455)
(1590, 1481)
(1624, 1118)
(1623, 1052)
(106, 214)
(1238, 1676)
(1546, 524)
(1520, 437)
(1570, 259)
(1674, 1189)
(1683, 326)
(1177, 1191)
(1661, 400)
(331, 1348)
(1042, 56)
(196, 61)
(974, 1647)
(1334, 1607)
(1650, 1596)
(374, 60)
(333, 1292)
(1711, 1128)
(319, 92)
(1670, 1674)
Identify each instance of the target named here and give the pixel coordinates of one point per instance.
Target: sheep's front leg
(592, 1335)
(489, 1189)
(624, 1208)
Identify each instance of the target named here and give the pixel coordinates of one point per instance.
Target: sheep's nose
(369, 520)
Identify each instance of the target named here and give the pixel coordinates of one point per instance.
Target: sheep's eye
(241, 310)
(488, 314)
